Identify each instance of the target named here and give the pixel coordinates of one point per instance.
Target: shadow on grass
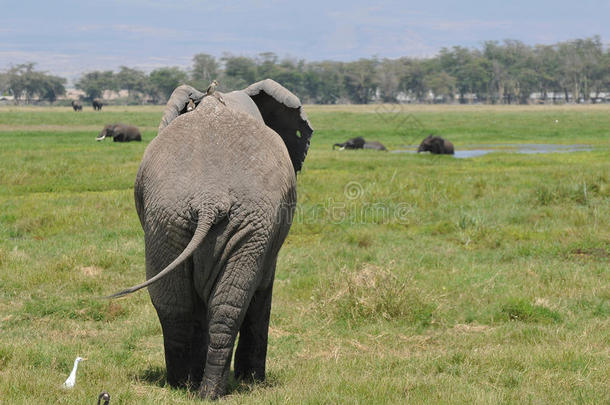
(153, 375)
(157, 376)
(245, 387)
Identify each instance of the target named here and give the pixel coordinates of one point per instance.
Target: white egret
(69, 383)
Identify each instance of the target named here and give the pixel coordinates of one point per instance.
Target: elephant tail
(204, 224)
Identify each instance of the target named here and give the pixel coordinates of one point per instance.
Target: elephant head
(107, 131)
(436, 145)
(215, 194)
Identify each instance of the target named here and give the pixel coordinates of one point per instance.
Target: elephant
(360, 143)
(436, 145)
(353, 143)
(77, 106)
(215, 194)
(120, 133)
(97, 104)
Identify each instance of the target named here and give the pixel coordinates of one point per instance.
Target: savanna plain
(405, 278)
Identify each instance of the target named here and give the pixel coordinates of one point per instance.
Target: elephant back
(220, 147)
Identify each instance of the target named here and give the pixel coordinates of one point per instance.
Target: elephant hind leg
(181, 348)
(228, 305)
(183, 319)
(251, 351)
(184, 339)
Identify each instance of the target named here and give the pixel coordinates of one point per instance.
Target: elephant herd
(215, 194)
(96, 103)
(118, 132)
(432, 143)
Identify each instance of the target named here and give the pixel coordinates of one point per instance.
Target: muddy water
(480, 150)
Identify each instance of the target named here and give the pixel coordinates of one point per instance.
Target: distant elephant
(97, 104)
(120, 133)
(354, 143)
(215, 194)
(360, 143)
(77, 106)
(436, 145)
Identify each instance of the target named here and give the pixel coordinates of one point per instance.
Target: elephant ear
(177, 103)
(282, 111)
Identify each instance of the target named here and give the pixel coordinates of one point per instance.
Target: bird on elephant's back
(215, 194)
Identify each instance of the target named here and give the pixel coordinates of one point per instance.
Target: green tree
(360, 80)
(323, 82)
(547, 66)
(163, 81)
(25, 82)
(412, 78)
(205, 69)
(267, 65)
(388, 79)
(239, 72)
(132, 80)
(51, 87)
(95, 83)
(442, 85)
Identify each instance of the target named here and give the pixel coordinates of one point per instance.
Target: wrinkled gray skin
(120, 133)
(360, 143)
(97, 104)
(77, 106)
(215, 194)
(436, 145)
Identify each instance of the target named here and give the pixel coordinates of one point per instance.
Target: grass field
(405, 278)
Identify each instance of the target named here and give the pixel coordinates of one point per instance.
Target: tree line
(505, 72)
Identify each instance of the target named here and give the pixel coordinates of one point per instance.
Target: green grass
(405, 278)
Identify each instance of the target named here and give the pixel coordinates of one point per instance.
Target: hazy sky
(69, 37)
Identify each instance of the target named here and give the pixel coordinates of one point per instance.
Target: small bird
(211, 88)
(191, 105)
(71, 381)
(103, 396)
(211, 91)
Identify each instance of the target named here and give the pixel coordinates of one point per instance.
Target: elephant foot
(211, 390)
(250, 374)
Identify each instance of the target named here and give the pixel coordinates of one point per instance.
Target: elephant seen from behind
(97, 104)
(76, 105)
(120, 133)
(215, 194)
(436, 145)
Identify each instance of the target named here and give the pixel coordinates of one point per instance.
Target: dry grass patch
(373, 293)
(91, 271)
